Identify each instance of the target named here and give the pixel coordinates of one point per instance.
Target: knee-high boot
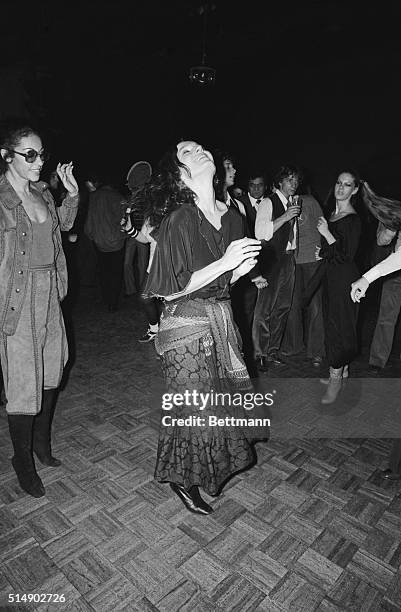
(334, 386)
(42, 430)
(20, 426)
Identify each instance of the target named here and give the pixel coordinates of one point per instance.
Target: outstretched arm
(391, 264)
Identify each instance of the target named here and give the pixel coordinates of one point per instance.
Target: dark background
(313, 82)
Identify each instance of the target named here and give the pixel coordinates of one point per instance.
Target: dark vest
(274, 249)
(250, 214)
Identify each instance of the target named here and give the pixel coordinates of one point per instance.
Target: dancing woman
(340, 241)
(200, 252)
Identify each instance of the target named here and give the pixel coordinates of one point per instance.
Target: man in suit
(276, 226)
(304, 328)
(255, 280)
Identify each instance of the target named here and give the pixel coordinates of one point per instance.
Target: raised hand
(292, 211)
(239, 251)
(64, 171)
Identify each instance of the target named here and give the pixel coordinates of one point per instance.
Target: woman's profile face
(230, 172)
(195, 158)
(345, 187)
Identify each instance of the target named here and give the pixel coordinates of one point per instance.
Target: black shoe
(191, 499)
(375, 370)
(20, 426)
(390, 475)
(262, 364)
(48, 460)
(28, 479)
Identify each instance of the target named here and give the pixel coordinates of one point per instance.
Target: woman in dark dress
(200, 252)
(340, 241)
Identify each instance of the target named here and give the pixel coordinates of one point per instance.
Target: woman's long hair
(385, 210)
(166, 192)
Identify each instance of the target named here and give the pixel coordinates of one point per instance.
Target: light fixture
(203, 75)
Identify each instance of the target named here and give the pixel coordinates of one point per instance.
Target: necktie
(232, 202)
(292, 224)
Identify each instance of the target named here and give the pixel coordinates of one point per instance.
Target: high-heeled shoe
(333, 387)
(191, 499)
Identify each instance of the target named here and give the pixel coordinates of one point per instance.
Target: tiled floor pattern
(311, 527)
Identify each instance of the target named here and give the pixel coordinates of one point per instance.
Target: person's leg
(22, 365)
(293, 342)
(142, 260)
(55, 356)
(395, 457)
(129, 278)
(333, 386)
(261, 320)
(111, 275)
(314, 327)
(282, 304)
(103, 272)
(390, 305)
(393, 472)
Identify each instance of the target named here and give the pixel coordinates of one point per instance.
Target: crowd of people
(233, 282)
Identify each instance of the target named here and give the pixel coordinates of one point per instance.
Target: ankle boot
(191, 499)
(345, 375)
(42, 430)
(334, 386)
(20, 426)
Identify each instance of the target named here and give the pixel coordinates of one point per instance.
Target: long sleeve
(172, 264)
(347, 232)
(263, 222)
(391, 264)
(68, 211)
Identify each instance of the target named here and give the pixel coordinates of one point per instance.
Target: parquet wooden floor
(312, 527)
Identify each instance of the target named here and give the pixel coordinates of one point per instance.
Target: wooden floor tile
(312, 526)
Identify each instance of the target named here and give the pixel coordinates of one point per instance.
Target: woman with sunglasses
(200, 252)
(33, 281)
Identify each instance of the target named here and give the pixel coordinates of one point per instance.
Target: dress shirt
(253, 201)
(264, 223)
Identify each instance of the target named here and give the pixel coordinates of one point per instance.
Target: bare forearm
(279, 222)
(328, 236)
(200, 279)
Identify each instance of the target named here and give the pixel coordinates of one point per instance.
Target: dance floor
(311, 527)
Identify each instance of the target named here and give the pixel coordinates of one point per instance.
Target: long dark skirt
(201, 455)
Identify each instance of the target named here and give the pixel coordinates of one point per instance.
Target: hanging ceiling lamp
(203, 75)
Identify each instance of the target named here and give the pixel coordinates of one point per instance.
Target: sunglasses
(32, 155)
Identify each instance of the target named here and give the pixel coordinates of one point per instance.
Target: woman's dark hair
(329, 204)
(11, 132)
(219, 180)
(166, 192)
